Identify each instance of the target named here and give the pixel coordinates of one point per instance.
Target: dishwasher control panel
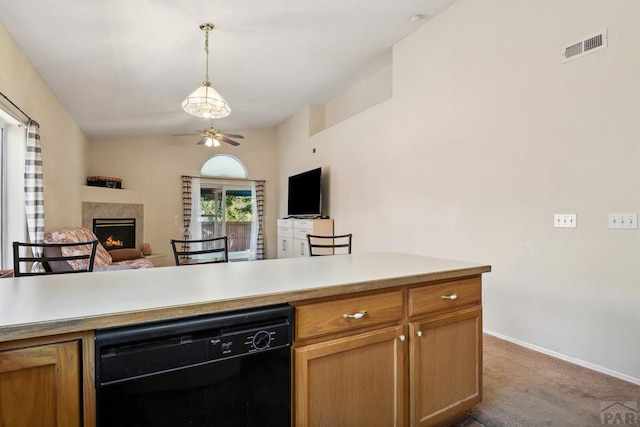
(131, 352)
(234, 343)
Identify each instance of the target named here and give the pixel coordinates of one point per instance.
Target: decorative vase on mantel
(146, 249)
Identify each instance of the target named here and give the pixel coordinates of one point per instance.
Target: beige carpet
(525, 388)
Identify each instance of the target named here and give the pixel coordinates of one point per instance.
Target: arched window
(224, 166)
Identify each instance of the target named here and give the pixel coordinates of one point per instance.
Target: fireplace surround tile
(91, 210)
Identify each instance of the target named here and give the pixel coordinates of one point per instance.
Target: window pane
(227, 211)
(12, 215)
(224, 166)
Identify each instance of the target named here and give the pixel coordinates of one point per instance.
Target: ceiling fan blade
(229, 141)
(231, 135)
(187, 134)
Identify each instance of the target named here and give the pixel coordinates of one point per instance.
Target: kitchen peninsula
(405, 313)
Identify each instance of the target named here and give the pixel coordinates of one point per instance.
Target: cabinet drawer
(285, 223)
(346, 314)
(303, 224)
(444, 296)
(285, 232)
(301, 233)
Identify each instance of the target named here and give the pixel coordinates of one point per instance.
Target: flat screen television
(305, 194)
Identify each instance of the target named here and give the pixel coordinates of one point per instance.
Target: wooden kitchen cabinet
(357, 380)
(446, 366)
(411, 356)
(41, 384)
(445, 350)
(349, 361)
(360, 366)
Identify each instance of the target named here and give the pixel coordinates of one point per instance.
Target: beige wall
(63, 144)
(487, 135)
(360, 97)
(151, 169)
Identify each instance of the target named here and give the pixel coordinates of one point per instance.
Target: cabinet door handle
(358, 315)
(419, 334)
(451, 297)
(402, 338)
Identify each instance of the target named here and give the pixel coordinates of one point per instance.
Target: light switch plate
(565, 220)
(625, 221)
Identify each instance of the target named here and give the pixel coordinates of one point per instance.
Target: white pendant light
(205, 101)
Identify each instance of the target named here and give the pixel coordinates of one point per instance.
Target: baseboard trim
(564, 357)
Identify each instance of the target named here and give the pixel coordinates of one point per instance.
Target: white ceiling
(122, 67)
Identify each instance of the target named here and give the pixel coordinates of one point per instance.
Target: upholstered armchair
(116, 259)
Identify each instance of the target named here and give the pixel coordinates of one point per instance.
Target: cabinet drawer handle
(451, 297)
(358, 315)
(419, 334)
(402, 338)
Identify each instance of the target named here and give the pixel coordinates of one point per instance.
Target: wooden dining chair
(55, 258)
(329, 245)
(202, 251)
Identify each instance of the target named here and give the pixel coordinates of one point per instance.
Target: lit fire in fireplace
(113, 242)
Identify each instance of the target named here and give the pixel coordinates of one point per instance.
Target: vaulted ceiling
(121, 68)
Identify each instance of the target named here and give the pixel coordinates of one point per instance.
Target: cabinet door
(285, 247)
(351, 381)
(40, 386)
(300, 247)
(445, 354)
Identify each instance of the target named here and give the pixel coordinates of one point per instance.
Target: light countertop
(47, 305)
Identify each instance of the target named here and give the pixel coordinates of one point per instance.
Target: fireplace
(115, 233)
(91, 210)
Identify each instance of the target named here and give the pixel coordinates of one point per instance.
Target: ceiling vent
(585, 46)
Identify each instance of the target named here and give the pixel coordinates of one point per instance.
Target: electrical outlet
(565, 220)
(626, 221)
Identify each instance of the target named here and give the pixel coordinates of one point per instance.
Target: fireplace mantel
(109, 195)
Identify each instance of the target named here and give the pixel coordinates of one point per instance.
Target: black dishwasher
(228, 369)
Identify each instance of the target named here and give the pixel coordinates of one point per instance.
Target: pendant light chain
(206, 50)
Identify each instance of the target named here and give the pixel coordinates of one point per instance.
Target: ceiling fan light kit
(210, 142)
(205, 101)
(212, 137)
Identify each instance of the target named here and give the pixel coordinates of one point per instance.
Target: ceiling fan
(212, 137)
